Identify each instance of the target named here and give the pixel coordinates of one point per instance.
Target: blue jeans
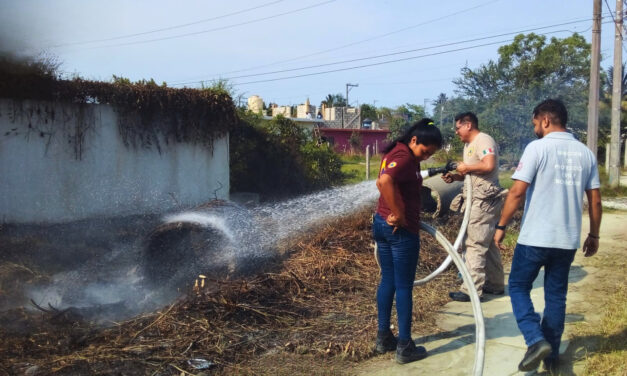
(398, 257)
(525, 267)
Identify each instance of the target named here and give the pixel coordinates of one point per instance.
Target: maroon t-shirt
(404, 168)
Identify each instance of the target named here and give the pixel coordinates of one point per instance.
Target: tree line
(504, 91)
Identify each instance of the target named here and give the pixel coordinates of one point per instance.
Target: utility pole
(614, 170)
(348, 87)
(593, 95)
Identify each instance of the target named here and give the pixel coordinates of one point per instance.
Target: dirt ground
(605, 274)
(315, 314)
(312, 313)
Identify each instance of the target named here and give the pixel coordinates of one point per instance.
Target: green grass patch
(505, 179)
(354, 167)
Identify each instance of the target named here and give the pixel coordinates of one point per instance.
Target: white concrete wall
(42, 181)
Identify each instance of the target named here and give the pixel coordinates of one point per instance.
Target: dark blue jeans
(525, 267)
(398, 257)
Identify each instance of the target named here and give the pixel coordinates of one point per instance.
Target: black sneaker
(407, 352)
(493, 292)
(551, 365)
(459, 296)
(535, 353)
(385, 342)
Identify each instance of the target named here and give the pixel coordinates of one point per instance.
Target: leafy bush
(323, 166)
(278, 158)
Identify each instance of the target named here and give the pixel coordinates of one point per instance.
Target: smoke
(12, 40)
(108, 270)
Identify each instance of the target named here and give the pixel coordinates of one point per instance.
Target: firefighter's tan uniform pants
(483, 258)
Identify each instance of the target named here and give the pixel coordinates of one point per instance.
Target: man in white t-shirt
(553, 173)
(481, 162)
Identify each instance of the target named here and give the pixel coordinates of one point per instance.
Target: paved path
(452, 352)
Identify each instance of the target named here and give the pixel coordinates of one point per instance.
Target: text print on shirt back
(568, 168)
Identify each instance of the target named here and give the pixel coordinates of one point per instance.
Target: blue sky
(205, 40)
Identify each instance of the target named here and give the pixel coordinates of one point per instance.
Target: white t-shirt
(559, 169)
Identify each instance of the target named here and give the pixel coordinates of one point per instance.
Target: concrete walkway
(452, 352)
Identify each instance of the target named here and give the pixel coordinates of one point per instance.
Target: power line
(168, 28)
(375, 64)
(387, 61)
(365, 40)
(391, 54)
(217, 28)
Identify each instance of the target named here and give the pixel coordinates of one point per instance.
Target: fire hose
(455, 257)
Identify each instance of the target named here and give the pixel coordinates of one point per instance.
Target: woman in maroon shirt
(395, 229)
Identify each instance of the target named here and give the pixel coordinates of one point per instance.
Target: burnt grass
(314, 313)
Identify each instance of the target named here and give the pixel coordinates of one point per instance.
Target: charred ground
(313, 312)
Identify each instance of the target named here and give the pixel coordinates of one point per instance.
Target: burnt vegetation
(314, 310)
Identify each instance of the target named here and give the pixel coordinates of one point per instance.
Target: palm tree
(609, 82)
(328, 101)
(336, 100)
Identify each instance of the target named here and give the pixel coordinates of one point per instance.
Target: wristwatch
(500, 227)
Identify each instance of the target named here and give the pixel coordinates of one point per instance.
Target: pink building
(339, 138)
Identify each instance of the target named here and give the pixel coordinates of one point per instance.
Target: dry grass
(605, 342)
(610, 358)
(315, 311)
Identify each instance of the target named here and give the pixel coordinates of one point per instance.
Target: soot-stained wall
(66, 162)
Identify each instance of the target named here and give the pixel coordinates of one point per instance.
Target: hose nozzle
(450, 166)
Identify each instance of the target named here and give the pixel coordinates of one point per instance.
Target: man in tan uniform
(483, 258)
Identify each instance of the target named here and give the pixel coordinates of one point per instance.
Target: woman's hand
(396, 221)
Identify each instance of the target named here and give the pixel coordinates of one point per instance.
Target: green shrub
(277, 158)
(323, 166)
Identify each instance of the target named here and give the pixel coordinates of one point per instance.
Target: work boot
(459, 296)
(551, 365)
(385, 342)
(407, 352)
(535, 353)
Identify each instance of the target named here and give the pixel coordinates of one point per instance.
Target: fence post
(367, 162)
(607, 157)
